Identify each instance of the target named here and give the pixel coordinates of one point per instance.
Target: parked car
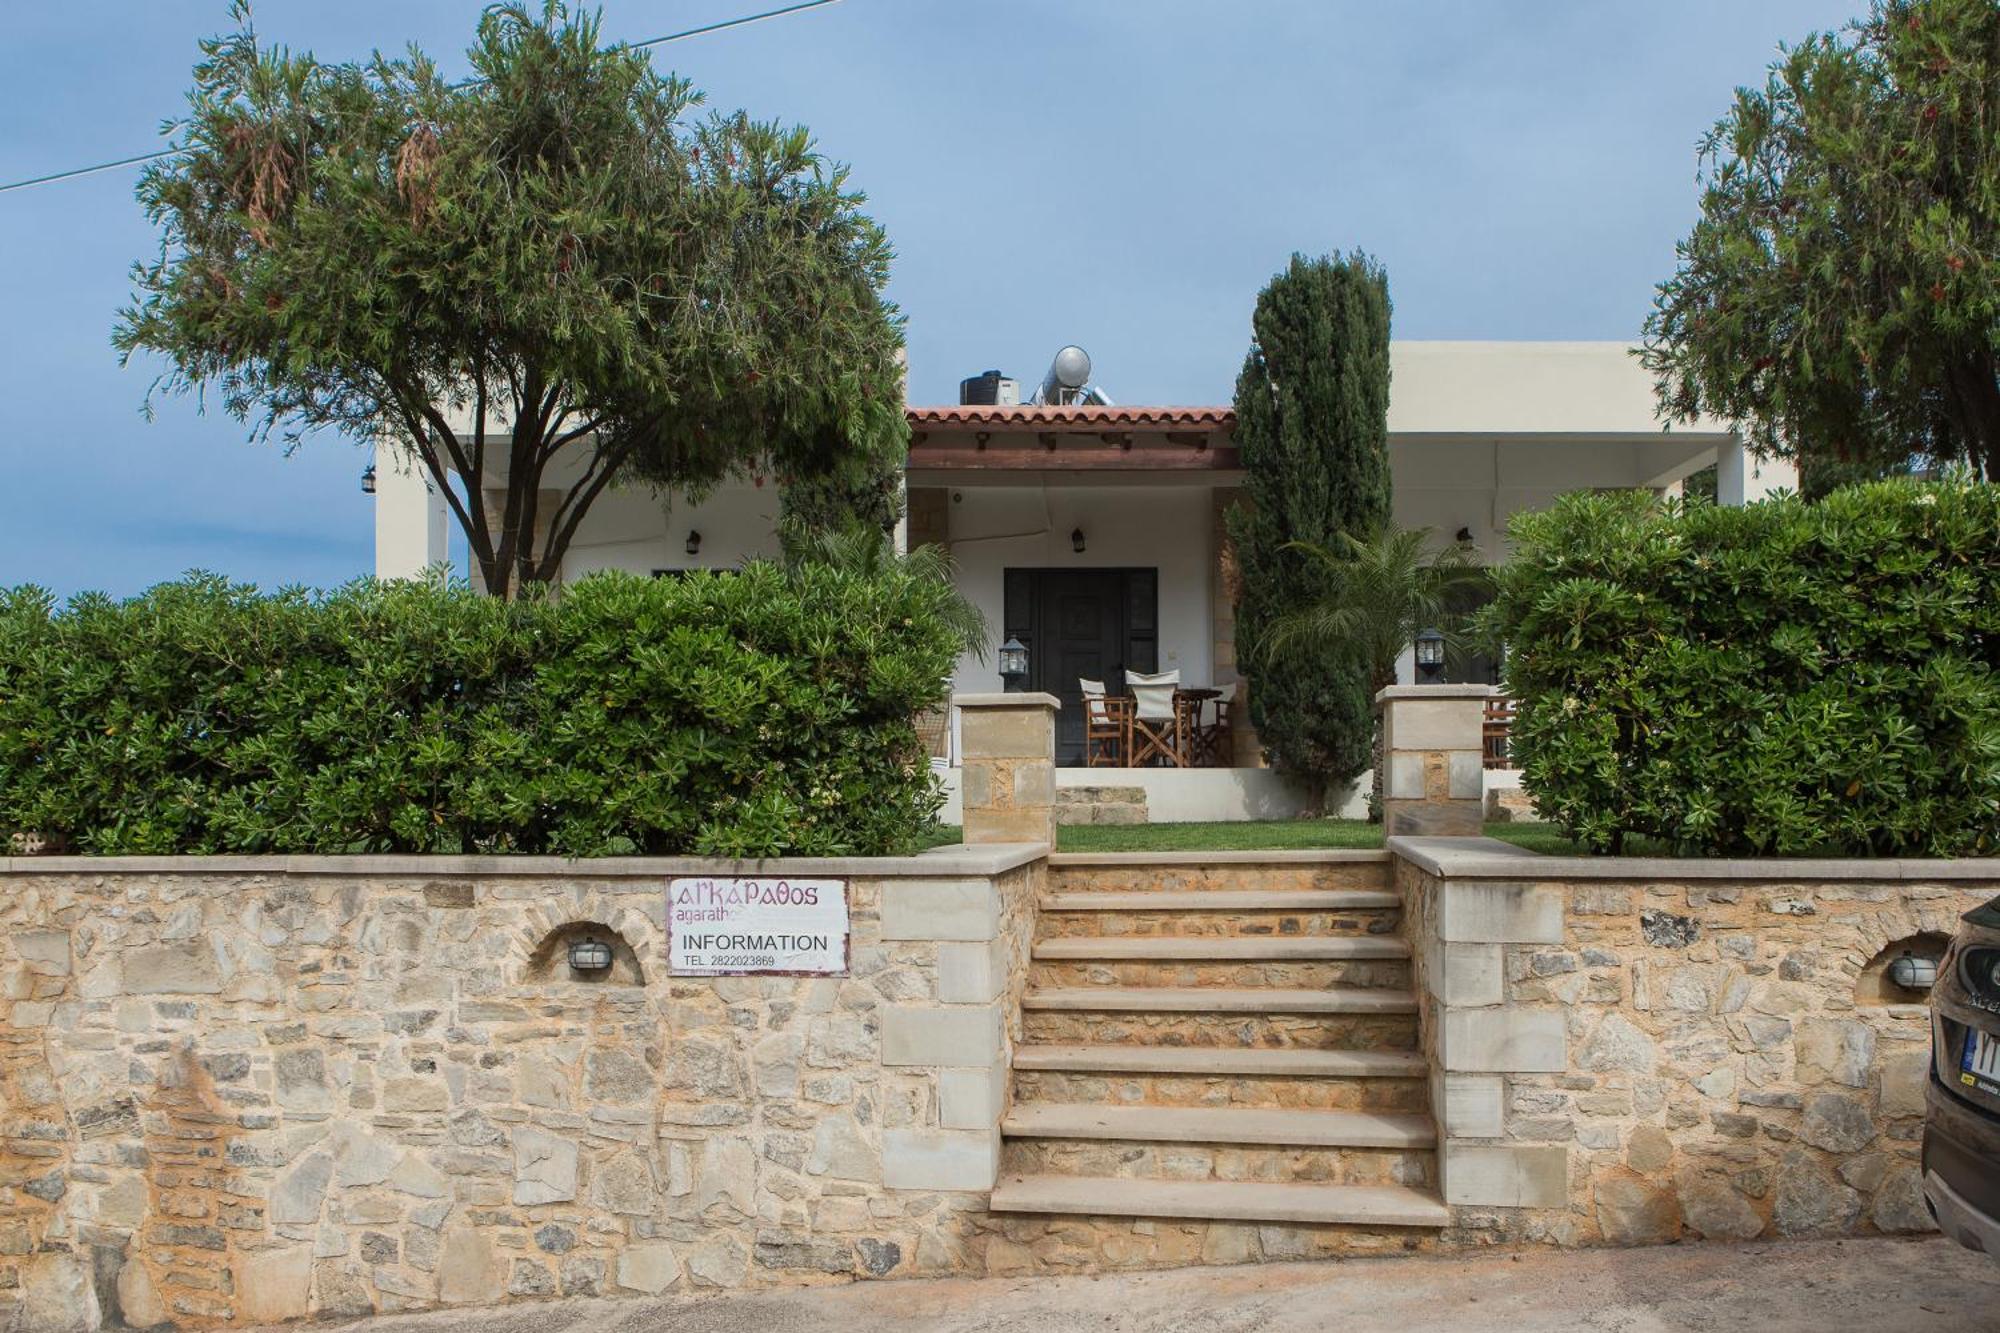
(1962, 1120)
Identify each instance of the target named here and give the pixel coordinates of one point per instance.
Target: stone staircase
(1230, 1037)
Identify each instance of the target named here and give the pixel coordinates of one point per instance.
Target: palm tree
(866, 551)
(1372, 596)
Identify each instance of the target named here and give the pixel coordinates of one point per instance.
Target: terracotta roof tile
(1093, 418)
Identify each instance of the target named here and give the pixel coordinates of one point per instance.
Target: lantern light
(1430, 656)
(1013, 666)
(1076, 541)
(368, 480)
(694, 543)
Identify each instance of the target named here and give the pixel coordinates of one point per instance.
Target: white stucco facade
(1164, 527)
(645, 533)
(1478, 432)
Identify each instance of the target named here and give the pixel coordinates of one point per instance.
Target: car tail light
(1979, 972)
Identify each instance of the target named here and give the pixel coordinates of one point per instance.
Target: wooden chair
(1107, 726)
(934, 731)
(1215, 742)
(1497, 729)
(1159, 723)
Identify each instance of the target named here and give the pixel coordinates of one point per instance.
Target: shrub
(762, 713)
(1781, 679)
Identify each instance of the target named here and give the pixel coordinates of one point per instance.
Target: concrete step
(1224, 1000)
(1212, 1062)
(1226, 900)
(1324, 1032)
(1222, 949)
(1209, 1090)
(1177, 1124)
(1205, 974)
(1361, 1205)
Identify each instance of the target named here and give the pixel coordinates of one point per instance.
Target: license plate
(1979, 1063)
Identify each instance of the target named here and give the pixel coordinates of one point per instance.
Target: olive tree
(552, 278)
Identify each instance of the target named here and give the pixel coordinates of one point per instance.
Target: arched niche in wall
(551, 959)
(1877, 985)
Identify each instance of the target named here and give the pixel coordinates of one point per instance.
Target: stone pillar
(547, 501)
(1007, 745)
(1247, 751)
(927, 517)
(1434, 754)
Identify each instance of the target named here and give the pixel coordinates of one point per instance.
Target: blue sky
(1124, 174)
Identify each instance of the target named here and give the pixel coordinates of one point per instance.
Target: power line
(745, 21)
(87, 171)
(702, 31)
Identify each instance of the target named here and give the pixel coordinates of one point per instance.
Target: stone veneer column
(1434, 750)
(1007, 745)
(1477, 1038)
(979, 927)
(1247, 751)
(927, 512)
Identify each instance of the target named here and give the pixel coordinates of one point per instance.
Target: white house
(1094, 534)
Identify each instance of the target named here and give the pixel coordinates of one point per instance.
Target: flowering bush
(1780, 679)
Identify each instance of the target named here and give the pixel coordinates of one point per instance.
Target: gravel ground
(1854, 1286)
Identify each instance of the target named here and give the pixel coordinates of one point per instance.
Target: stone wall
(1629, 1051)
(241, 1089)
(928, 510)
(1433, 757)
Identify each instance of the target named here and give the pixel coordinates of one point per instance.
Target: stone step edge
(1203, 1124)
(1220, 1061)
(1224, 900)
(1220, 1200)
(1306, 856)
(1219, 1000)
(1220, 948)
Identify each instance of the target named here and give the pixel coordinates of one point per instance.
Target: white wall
(1743, 478)
(1448, 482)
(636, 530)
(411, 521)
(1538, 388)
(996, 528)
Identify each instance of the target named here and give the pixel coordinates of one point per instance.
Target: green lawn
(1238, 836)
(1258, 835)
(1544, 838)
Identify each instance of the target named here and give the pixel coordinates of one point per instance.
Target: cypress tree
(1312, 421)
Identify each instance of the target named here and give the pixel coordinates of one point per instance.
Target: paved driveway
(1855, 1286)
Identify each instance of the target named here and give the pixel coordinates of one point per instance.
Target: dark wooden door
(1082, 624)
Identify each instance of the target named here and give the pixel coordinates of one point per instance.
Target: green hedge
(1781, 679)
(762, 713)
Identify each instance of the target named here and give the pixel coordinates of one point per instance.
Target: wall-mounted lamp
(368, 480)
(694, 543)
(1465, 534)
(1430, 657)
(1076, 541)
(1914, 973)
(587, 955)
(1013, 666)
